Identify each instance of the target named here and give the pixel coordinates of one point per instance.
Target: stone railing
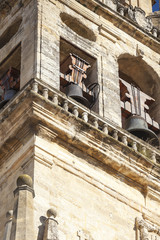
(80, 112)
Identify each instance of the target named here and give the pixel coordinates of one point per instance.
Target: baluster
(124, 140)
(17, 101)
(35, 87)
(9, 109)
(134, 145)
(95, 122)
(75, 111)
(153, 157)
(155, 32)
(45, 93)
(55, 98)
(65, 105)
(85, 116)
(121, 11)
(115, 134)
(143, 150)
(105, 128)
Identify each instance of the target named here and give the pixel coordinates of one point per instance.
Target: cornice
(95, 11)
(11, 7)
(99, 138)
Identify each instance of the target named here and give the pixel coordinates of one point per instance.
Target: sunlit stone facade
(70, 171)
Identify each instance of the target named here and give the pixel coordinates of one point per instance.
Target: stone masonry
(69, 172)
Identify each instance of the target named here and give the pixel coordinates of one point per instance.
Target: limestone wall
(86, 196)
(24, 37)
(145, 5)
(17, 164)
(110, 43)
(46, 25)
(97, 184)
(156, 19)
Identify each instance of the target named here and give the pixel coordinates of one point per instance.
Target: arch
(134, 70)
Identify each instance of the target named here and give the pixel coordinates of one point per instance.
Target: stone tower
(79, 120)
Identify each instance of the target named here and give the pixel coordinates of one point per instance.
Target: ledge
(39, 103)
(125, 24)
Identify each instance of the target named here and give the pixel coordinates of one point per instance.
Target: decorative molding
(97, 12)
(146, 230)
(45, 132)
(43, 161)
(152, 193)
(24, 188)
(109, 33)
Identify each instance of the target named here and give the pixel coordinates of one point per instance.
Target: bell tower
(79, 120)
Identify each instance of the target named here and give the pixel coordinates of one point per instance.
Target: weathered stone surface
(8, 225)
(156, 19)
(98, 177)
(22, 226)
(51, 226)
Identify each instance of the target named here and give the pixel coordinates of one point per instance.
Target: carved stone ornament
(115, 1)
(111, 3)
(146, 230)
(130, 13)
(83, 235)
(143, 21)
(137, 15)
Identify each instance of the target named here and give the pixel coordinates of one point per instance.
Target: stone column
(51, 229)
(23, 224)
(8, 226)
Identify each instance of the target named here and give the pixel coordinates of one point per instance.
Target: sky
(156, 6)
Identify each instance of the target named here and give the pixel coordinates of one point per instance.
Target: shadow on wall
(41, 228)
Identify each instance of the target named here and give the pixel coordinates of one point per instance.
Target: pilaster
(22, 227)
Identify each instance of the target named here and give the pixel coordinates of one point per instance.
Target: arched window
(139, 92)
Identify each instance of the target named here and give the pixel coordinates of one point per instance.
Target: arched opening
(78, 75)
(139, 91)
(10, 75)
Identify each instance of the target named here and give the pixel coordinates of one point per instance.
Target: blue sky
(156, 6)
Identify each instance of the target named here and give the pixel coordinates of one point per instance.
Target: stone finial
(51, 226)
(51, 212)
(9, 214)
(24, 179)
(8, 225)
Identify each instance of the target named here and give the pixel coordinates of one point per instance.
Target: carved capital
(146, 230)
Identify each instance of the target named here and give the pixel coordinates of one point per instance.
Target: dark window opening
(10, 76)
(10, 32)
(78, 75)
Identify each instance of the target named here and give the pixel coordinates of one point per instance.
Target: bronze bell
(139, 127)
(75, 91)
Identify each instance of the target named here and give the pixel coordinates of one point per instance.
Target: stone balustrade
(89, 117)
